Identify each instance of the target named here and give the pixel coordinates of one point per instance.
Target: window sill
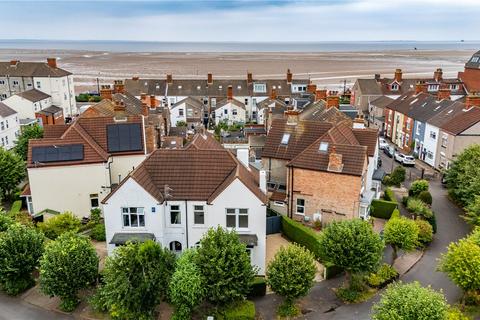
(134, 228)
(299, 214)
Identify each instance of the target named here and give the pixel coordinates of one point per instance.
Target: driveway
(16, 309)
(321, 303)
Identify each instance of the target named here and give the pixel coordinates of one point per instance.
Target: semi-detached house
(176, 195)
(9, 127)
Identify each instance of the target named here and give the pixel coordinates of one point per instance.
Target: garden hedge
(388, 195)
(16, 207)
(302, 235)
(258, 288)
(382, 209)
(331, 270)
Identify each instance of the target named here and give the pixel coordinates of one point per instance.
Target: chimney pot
(420, 87)
(321, 94)
(249, 77)
(273, 94)
(169, 78)
(52, 62)
(377, 76)
(135, 78)
(438, 75)
(398, 75)
(335, 161)
(289, 76)
(118, 86)
(292, 117)
(153, 101)
(209, 78)
(14, 63)
(106, 92)
(311, 88)
(443, 93)
(145, 109)
(472, 100)
(230, 92)
(333, 101)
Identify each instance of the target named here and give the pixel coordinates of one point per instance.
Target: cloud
(249, 20)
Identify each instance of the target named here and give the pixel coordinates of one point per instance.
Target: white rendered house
(230, 111)
(29, 102)
(9, 127)
(176, 195)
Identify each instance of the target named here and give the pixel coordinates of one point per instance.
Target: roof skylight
(285, 138)
(323, 146)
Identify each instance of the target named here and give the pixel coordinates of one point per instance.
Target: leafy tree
(410, 302)
(69, 264)
(290, 274)
(351, 245)
(136, 277)
(417, 187)
(396, 177)
(461, 263)
(401, 233)
(59, 224)
(28, 132)
(12, 169)
(425, 231)
(187, 286)
(98, 232)
(472, 215)
(181, 123)
(20, 250)
(5, 221)
(225, 265)
(463, 177)
(426, 197)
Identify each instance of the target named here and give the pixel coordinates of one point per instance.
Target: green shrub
(388, 195)
(23, 218)
(95, 215)
(433, 222)
(425, 231)
(258, 288)
(384, 275)
(395, 214)
(353, 292)
(98, 232)
(5, 221)
(302, 235)
(456, 314)
(59, 224)
(331, 270)
(405, 200)
(244, 310)
(419, 208)
(426, 197)
(396, 177)
(16, 207)
(417, 187)
(382, 209)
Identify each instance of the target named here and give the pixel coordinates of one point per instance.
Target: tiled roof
(382, 86)
(317, 111)
(33, 95)
(381, 102)
(232, 101)
(302, 134)
(369, 87)
(367, 137)
(31, 69)
(449, 110)
(191, 174)
(6, 111)
(89, 132)
(54, 130)
(462, 121)
(205, 141)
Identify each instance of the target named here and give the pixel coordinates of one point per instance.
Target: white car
(404, 159)
(382, 143)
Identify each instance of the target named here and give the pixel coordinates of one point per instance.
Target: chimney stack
(106, 92)
(377, 76)
(359, 122)
(145, 109)
(292, 117)
(52, 62)
(143, 96)
(249, 77)
(311, 88)
(169, 78)
(472, 100)
(335, 163)
(398, 75)
(273, 94)
(443, 93)
(262, 183)
(230, 92)
(438, 75)
(209, 79)
(321, 94)
(119, 106)
(118, 86)
(136, 78)
(289, 76)
(333, 101)
(153, 101)
(420, 87)
(13, 63)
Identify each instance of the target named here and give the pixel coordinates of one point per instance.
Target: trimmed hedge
(258, 288)
(244, 310)
(302, 235)
(382, 209)
(426, 197)
(388, 195)
(384, 275)
(433, 221)
(16, 207)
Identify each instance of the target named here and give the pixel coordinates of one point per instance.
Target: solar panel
(124, 137)
(70, 152)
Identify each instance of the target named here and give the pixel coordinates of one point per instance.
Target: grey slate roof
(6, 111)
(474, 62)
(33, 95)
(31, 69)
(381, 102)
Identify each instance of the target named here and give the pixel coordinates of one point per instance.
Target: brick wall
(337, 195)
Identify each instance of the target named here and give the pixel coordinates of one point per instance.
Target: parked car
(382, 143)
(404, 159)
(389, 151)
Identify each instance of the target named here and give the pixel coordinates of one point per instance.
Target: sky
(247, 20)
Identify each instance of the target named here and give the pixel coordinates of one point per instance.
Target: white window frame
(94, 196)
(259, 88)
(236, 212)
(170, 211)
(394, 87)
(198, 209)
(300, 206)
(127, 211)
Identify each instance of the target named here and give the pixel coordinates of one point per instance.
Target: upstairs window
(15, 82)
(237, 218)
(234, 112)
(433, 135)
(198, 215)
(133, 217)
(433, 87)
(301, 206)
(39, 85)
(175, 214)
(394, 87)
(475, 59)
(180, 112)
(323, 146)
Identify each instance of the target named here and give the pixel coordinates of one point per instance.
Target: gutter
(144, 135)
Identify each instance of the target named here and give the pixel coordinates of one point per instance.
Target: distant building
(9, 126)
(471, 74)
(17, 77)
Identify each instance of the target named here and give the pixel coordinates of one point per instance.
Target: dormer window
(454, 87)
(323, 146)
(259, 87)
(394, 87)
(475, 59)
(433, 87)
(285, 138)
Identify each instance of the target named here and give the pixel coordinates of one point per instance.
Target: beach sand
(326, 69)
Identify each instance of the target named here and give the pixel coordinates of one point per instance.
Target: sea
(153, 46)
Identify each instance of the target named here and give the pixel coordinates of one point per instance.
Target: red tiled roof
(367, 137)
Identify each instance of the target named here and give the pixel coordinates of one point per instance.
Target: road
(16, 309)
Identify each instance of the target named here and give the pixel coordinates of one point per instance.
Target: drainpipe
(186, 222)
(144, 135)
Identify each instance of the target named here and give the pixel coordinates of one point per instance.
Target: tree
(351, 245)
(28, 132)
(20, 250)
(5, 220)
(187, 286)
(401, 233)
(417, 187)
(59, 224)
(181, 123)
(224, 263)
(136, 278)
(69, 264)
(12, 169)
(472, 215)
(290, 274)
(410, 302)
(396, 177)
(461, 263)
(463, 177)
